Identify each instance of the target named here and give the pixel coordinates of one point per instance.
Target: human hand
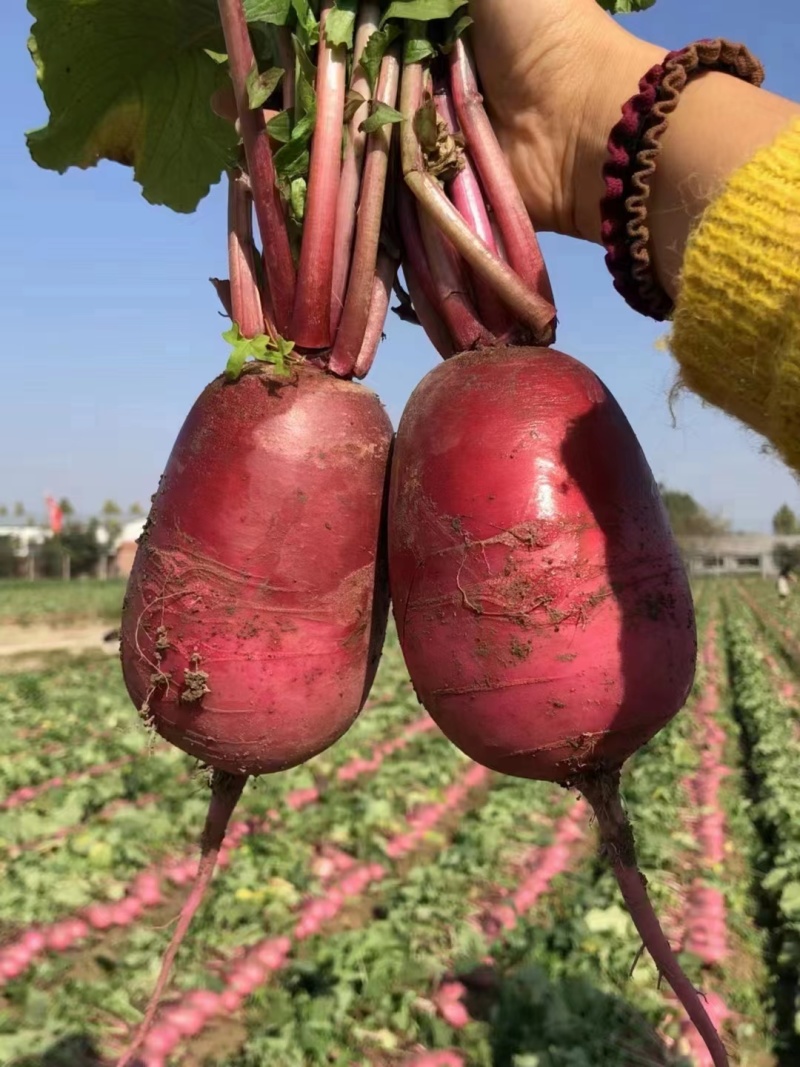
(555, 74)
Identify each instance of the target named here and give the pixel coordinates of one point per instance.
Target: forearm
(719, 123)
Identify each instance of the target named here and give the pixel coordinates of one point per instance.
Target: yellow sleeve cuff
(736, 326)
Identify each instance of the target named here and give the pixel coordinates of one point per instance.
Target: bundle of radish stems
(541, 603)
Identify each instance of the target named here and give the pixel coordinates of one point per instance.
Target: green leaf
(261, 348)
(307, 28)
(625, 7)
(382, 115)
(132, 83)
(279, 128)
(375, 50)
(305, 79)
(457, 26)
(352, 103)
(422, 10)
(417, 44)
(260, 87)
(291, 160)
(275, 12)
(297, 198)
(340, 23)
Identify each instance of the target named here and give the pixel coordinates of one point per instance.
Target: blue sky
(111, 327)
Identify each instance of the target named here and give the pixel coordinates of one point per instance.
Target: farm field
(392, 899)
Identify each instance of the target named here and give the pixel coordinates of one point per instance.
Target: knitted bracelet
(633, 149)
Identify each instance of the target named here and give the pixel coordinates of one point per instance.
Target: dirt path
(36, 640)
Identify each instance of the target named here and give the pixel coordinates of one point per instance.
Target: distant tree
(19, 509)
(67, 510)
(111, 512)
(786, 557)
(688, 518)
(135, 510)
(79, 542)
(8, 560)
(784, 521)
(3, 510)
(30, 520)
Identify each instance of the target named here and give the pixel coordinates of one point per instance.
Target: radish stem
(602, 792)
(225, 792)
(466, 193)
(382, 282)
(452, 289)
(245, 298)
(414, 250)
(287, 60)
(531, 308)
(352, 163)
(350, 337)
(278, 263)
(429, 317)
(311, 319)
(524, 253)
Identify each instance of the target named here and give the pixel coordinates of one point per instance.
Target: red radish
(542, 606)
(256, 608)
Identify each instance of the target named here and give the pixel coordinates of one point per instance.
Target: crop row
(772, 752)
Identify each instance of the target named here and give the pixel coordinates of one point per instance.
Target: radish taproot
(257, 604)
(543, 609)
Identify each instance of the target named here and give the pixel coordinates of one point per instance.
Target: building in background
(124, 548)
(726, 554)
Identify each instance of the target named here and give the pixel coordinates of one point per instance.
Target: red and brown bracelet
(633, 149)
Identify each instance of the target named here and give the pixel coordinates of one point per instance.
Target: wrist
(612, 78)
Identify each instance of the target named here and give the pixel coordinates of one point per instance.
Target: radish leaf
(381, 115)
(340, 23)
(260, 87)
(261, 348)
(375, 50)
(133, 83)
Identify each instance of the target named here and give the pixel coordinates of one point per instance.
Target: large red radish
(257, 605)
(543, 609)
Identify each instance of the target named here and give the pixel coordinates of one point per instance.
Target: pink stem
(278, 263)
(385, 274)
(227, 788)
(311, 318)
(452, 288)
(287, 60)
(602, 792)
(414, 249)
(352, 163)
(429, 317)
(532, 309)
(524, 253)
(466, 193)
(350, 336)
(245, 297)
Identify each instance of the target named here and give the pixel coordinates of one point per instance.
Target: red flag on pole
(56, 515)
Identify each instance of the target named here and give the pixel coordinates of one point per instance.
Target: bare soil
(23, 647)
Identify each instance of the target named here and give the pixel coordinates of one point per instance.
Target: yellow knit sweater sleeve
(736, 326)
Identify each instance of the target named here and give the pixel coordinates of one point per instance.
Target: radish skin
(542, 606)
